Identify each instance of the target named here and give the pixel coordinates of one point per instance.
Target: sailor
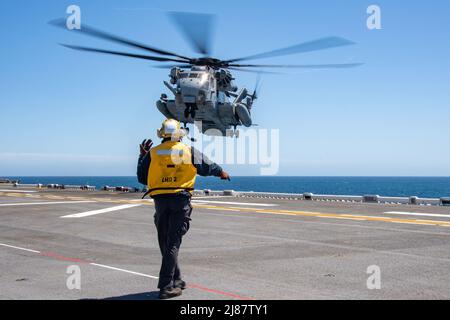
(169, 171)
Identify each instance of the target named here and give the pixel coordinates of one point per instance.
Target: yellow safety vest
(171, 169)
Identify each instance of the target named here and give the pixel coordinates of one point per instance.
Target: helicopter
(203, 88)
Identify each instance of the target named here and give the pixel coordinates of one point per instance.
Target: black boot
(179, 284)
(169, 293)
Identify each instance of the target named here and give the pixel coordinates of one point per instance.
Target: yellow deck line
(338, 216)
(354, 217)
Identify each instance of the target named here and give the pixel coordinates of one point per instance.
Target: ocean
(384, 186)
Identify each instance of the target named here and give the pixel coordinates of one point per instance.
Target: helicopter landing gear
(187, 131)
(236, 132)
(193, 110)
(190, 111)
(185, 128)
(232, 133)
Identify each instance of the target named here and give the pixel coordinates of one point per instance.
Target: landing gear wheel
(232, 134)
(193, 109)
(187, 112)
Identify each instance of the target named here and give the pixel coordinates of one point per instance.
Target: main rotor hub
(207, 61)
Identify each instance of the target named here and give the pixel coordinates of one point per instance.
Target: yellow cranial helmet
(171, 128)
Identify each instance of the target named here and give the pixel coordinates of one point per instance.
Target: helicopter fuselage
(201, 95)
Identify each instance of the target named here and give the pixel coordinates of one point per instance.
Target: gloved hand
(145, 146)
(225, 176)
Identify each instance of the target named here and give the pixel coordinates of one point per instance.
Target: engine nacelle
(225, 81)
(174, 75)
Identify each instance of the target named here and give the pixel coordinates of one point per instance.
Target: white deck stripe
(210, 197)
(15, 190)
(419, 214)
(94, 212)
(123, 270)
(92, 264)
(19, 248)
(237, 203)
(40, 203)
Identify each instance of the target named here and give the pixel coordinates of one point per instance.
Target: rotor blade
(197, 29)
(170, 66)
(304, 66)
(254, 71)
(124, 54)
(87, 30)
(315, 45)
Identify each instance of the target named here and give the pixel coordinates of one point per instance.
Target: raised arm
(206, 167)
(144, 161)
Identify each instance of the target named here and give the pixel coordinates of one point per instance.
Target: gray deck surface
(249, 248)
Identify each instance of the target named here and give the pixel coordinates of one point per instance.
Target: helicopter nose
(189, 98)
(189, 93)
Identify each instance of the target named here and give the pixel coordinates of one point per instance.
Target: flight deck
(237, 247)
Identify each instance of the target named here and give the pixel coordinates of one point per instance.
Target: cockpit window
(205, 79)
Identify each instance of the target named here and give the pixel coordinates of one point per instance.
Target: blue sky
(69, 113)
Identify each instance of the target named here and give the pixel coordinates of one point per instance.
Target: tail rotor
(251, 98)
